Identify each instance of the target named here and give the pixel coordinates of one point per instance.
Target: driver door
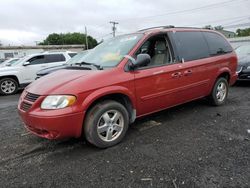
(35, 64)
(157, 84)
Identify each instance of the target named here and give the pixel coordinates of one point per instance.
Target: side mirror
(26, 63)
(141, 60)
(8, 64)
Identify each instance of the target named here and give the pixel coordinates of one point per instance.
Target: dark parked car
(243, 70)
(74, 60)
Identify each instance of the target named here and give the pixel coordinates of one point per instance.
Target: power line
(214, 5)
(239, 18)
(237, 25)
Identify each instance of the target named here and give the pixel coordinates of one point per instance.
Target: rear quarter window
(217, 44)
(191, 45)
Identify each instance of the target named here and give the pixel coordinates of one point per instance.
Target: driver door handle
(176, 75)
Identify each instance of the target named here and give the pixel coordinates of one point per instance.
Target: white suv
(23, 72)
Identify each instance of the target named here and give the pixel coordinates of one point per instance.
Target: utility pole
(86, 35)
(113, 27)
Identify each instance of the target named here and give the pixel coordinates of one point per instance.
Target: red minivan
(127, 77)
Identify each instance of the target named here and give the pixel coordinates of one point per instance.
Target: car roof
(159, 29)
(57, 52)
(48, 52)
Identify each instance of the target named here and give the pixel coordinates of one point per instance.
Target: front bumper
(56, 127)
(53, 124)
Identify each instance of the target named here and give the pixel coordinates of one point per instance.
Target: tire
(100, 129)
(220, 92)
(8, 86)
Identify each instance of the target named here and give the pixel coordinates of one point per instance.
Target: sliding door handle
(188, 72)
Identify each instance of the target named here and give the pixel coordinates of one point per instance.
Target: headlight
(57, 102)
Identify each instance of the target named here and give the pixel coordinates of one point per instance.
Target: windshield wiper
(92, 64)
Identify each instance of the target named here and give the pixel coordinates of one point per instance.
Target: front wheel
(220, 92)
(106, 124)
(8, 86)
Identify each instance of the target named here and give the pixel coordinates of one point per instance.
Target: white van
(23, 72)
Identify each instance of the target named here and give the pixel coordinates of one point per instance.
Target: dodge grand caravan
(131, 76)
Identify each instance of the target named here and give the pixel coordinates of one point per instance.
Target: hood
(50, 70)
(61, 82)
(9, 69)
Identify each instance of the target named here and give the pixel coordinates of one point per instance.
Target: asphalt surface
(192, 145)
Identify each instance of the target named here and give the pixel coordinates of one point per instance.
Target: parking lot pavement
(192, 145)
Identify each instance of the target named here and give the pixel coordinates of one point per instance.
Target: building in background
(20, 51)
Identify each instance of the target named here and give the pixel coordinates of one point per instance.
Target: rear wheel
(8, 86)
(106, 124)
(220, 92)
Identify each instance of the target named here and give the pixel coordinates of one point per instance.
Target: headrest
(160, 46)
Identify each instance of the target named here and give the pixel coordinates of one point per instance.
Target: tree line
(69, 39)
(239, 32)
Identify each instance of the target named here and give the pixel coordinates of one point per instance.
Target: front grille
(25, 106)
(31, 97)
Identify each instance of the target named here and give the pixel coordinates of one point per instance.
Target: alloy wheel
(110, 125)
(8, 86)
(221, 92)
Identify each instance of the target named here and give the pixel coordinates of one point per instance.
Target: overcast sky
(22, 22)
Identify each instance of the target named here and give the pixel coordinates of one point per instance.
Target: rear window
(217, 44)
(191, 45)
(51, 58)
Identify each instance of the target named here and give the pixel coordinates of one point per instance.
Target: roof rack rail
(189, 27)
(160, 27)
(170, 26)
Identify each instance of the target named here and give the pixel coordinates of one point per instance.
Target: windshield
(18, 61)
(12, 61)
(243, 51)
(112, 51)
(77, 58)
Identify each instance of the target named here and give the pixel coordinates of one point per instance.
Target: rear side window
(51, 58)
(191, 45)
(217, 44)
